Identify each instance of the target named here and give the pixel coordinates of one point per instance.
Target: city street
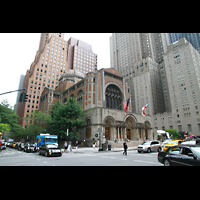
(84, 157)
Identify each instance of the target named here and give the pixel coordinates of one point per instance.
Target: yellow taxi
(13, 144)
(171, 143)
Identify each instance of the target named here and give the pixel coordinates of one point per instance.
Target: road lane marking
(147, 162)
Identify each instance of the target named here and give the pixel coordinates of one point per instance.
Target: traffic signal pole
(12, 91)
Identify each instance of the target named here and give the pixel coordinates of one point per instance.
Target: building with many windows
(137, 57)
(182, 71)
(193, 38)
(54, 57)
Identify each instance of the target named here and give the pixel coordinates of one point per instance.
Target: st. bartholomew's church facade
(101, 95)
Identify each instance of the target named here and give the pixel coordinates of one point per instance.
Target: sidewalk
(91, 149)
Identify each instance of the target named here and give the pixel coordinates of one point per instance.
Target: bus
(46, 139)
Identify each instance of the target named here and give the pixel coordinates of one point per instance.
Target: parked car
(21, 147)
(50, 150)
(180, 155)
(149, 146)
(171, 143)
(194, 142)
(13, 144)
(29, 147)
(16, 145)
(3, 146)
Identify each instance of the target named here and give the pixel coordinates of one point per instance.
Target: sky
(18, 50)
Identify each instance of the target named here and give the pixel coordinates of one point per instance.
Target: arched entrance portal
(130, 124)
(147, 126)
(109, 123)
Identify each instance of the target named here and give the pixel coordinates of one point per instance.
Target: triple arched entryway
(129, 128)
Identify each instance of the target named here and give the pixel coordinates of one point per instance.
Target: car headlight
(50, 151)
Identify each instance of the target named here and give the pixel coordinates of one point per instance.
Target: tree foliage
(39, 123)
(65, 117)
(173, 133)
(8, 119)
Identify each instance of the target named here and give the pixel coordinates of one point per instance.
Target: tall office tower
(81, 56)
(49, 64)
(193, 38)
(182, 69)
(54, 57)
(136, 56)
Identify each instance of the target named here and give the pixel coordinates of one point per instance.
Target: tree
(173, 133)
(8, 120)
(65, 117)
(39, 123)
(4, 127)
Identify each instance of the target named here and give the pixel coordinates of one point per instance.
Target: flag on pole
(125, 105)
(143, 109)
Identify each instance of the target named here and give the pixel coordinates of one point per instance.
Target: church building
(101, 95)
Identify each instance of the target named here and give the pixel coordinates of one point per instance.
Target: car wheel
(46, 154)
(149, 150)
(159, 149)
(39, 152)
(166, 162)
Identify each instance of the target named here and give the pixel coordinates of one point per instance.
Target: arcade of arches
(129, 129)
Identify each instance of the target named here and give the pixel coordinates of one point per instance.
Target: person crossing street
(125, 148)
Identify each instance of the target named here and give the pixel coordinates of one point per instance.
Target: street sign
(67, 132)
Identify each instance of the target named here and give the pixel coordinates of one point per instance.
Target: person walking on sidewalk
(65, 145)
(76, 146)
(125, 148)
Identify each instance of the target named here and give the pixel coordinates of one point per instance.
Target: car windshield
(172, 142)
(146, 143)
(54, 140)
(196, 150)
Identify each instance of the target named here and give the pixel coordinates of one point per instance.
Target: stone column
(118, 133)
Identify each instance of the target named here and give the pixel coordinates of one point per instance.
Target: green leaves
(65, 117)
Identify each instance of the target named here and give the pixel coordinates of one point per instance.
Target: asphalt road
(84, 157)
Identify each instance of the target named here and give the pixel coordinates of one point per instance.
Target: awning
(159, 132)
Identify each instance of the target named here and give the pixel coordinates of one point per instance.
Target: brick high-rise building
(51, 61)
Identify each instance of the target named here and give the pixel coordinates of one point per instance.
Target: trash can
(104, 147)
(109, 147)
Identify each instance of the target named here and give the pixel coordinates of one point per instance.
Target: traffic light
(21, 97)
(25, 97)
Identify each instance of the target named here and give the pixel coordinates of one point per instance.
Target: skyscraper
(182, 69)
(137, 57)
(193, 38)
(81, 56)
(51, 61)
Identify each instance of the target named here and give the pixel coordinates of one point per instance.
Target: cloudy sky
(18, 50)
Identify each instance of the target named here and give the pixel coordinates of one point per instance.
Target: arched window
(113, 97)
(80, 98)
(65, 100)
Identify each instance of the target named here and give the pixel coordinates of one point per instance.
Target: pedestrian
(65, 145)
(35, 147)
(76, 145)
(125, 148)
(95, 145)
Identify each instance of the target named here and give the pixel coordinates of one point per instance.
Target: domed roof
(72, 72)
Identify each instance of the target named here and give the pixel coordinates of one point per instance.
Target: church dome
(71, 72)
